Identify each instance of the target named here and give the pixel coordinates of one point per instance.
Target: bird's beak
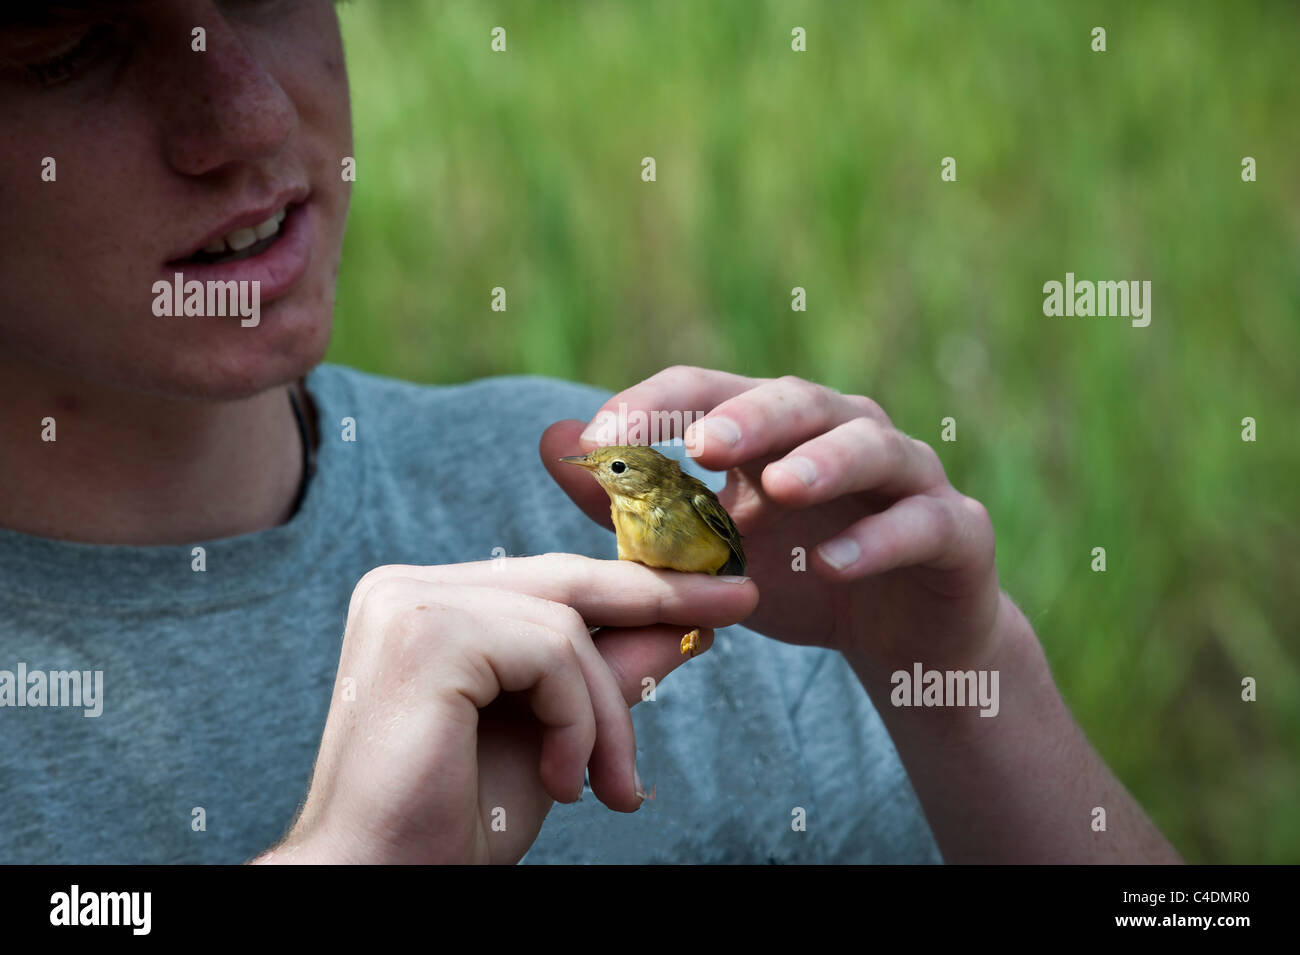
(580, 460)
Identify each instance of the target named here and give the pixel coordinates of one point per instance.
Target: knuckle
(931, 463)
(977, 510)
(363, 594)
(556, 561)
(409, 624)
(677, 373)
(868, 408)
(385, 593)
(573, 567)
(894, 444)
(864, 431)
(981, 524)
(368, 580)
(564, 618)
(863, 440)
(818, 397)
(408, 633)
(941, 515)
(556, 648)
(663, 600)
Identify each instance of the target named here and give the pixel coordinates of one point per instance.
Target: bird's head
(629, 470)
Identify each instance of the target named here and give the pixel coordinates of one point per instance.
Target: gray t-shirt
(216, 683)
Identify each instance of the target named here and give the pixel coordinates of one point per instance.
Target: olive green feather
(716, 516)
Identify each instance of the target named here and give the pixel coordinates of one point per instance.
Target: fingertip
(557, 440)
(840, 554)
(789, 481)
(558, 785)
(613, 784)
(627, 802)
(747, 590)
(847, 561)
(600, 430)
(712, 443)
(564, 757)
(564, 431)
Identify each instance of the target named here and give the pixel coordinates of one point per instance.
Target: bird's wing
(716, 516)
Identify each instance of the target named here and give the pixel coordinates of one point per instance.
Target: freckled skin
(170, 429)
(153, 146)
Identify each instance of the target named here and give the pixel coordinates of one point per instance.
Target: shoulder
(435, 431)
(445, 473)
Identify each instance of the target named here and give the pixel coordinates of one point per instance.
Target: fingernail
(841, 552)
(596, 431)
(640, 787)
(805, 469)
(724, 429)
(734, 580)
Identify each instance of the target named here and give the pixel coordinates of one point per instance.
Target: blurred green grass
(821, 170)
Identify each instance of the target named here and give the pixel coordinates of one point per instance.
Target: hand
(477, 688)
(922, 578)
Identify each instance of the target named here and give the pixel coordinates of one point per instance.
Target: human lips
(270, 244)
(240, 234)
(240, 242)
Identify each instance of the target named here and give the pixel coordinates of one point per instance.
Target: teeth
(270, 227)
(241, 239)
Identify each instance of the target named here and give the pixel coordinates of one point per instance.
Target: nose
(226, 106)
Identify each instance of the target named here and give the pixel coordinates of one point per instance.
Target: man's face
(159, 148)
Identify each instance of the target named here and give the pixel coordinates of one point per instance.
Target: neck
(141, 470)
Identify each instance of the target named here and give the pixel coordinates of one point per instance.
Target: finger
(859, 455)
(612, 766)
(662, 403)
(559, 440)
(771, 418)
(613, 593)
(946, 531)
(640, 657)
(475, 664)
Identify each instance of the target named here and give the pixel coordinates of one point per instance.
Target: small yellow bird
(664, 517)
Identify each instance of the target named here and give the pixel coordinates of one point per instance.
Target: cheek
(313, 72)
(66, 248)
(76, 263)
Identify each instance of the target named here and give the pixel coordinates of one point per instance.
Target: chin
(227, 362)
(290, 339)
(249, 371)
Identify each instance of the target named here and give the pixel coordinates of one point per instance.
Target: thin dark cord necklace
(308, 460)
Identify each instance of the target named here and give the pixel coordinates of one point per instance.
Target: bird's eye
(618, 467)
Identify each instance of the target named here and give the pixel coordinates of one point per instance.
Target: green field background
(822, 170)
